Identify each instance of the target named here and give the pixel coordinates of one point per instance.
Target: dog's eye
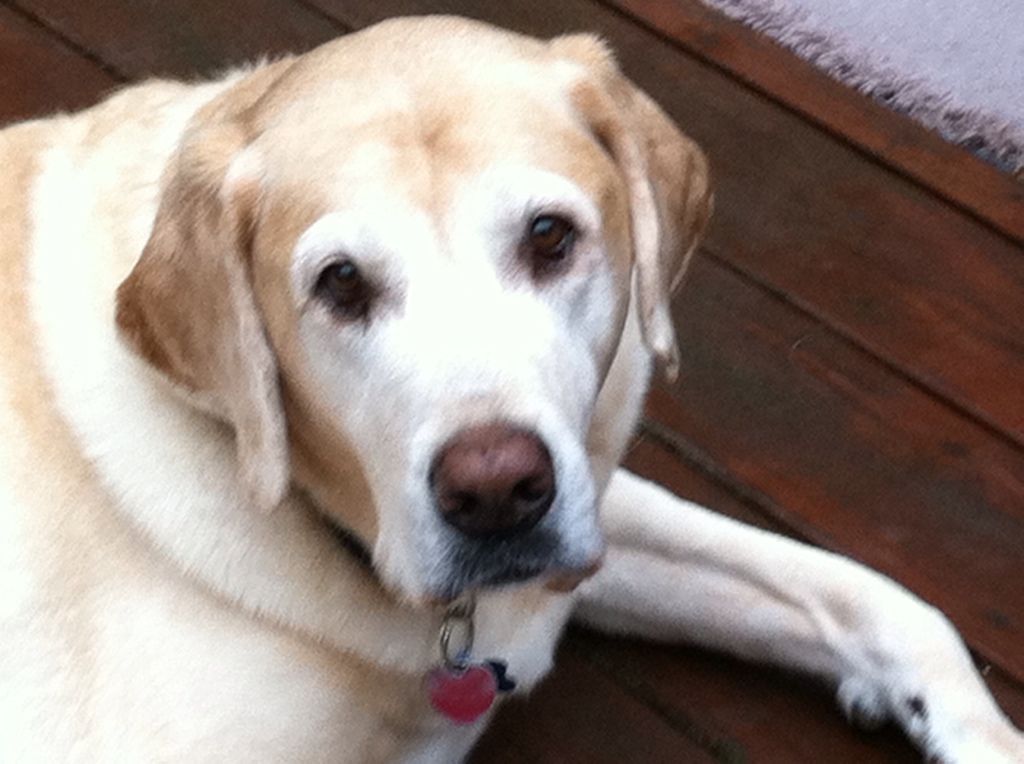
(343, 287)
(549, 241)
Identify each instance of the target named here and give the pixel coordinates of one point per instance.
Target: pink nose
(493, 479)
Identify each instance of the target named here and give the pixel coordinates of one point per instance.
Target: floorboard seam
(341, 24)
(68, 42)
(757, 501)
(336, 17)
(722, 750)
(912, 379)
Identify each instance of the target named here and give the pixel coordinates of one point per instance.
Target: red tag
(462, 695)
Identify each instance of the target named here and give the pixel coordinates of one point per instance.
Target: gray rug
(957, 66)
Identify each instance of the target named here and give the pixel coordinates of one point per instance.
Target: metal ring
(459, 614)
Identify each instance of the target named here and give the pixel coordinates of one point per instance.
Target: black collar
(353, 545)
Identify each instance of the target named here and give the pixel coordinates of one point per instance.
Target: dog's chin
(538, 558)
(510, 577)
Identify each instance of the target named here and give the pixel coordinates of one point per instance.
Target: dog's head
(400, 267)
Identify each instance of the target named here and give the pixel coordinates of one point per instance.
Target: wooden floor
(852, 334)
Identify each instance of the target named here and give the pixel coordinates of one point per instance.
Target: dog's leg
(676, 571)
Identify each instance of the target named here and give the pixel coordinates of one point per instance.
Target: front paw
(946, 732)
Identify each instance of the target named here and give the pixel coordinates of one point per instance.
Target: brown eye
(343, 287)
(549, 241)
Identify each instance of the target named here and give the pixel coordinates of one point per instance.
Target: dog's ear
(666, 175)
(188, 308)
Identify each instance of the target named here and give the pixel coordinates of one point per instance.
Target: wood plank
(852, 456)
(748, 713)
(185, 38)
(39, 74)
(580, 714)
(653, 458)
(954, 173)
(934, 293)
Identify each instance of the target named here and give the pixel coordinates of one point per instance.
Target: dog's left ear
(188, 309)
(666, 175)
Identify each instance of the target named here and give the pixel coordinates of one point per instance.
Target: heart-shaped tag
(462, 695)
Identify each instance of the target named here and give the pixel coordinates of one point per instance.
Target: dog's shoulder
(76, 199)
(76, 195)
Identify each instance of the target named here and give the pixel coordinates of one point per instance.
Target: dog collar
(459, 688)
(353, 545)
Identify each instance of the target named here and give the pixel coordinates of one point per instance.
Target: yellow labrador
(301, 365)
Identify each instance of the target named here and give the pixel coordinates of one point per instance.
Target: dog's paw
(946, 729)
(906, 663)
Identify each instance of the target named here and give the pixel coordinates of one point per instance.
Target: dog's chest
(184, 677)
(266, 690)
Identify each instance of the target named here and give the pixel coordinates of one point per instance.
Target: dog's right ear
(188, 308)
(666, 175)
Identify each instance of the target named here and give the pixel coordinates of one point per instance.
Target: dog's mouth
(475, 564)
(541, 555)
(483, 571)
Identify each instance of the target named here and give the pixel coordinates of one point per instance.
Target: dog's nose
(493, 479)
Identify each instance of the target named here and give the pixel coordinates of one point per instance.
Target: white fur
(461, 340)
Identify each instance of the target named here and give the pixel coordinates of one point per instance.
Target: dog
(315, 382)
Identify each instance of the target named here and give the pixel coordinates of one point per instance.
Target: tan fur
(653, 155)
(187, 306)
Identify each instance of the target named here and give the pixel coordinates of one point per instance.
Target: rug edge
(989, 136)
